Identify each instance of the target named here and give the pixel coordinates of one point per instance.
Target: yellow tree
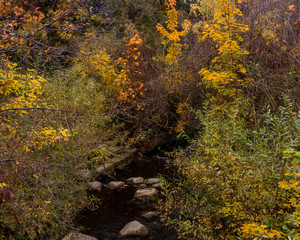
(172, 78)
(19, 95)
(123, 76)
(171, 34)
(226, 68)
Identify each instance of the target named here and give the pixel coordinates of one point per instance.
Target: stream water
(118, 207)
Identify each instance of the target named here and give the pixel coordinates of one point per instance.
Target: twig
(14, 159)
(33, 108)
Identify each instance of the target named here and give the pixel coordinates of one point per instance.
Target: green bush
(231, 176)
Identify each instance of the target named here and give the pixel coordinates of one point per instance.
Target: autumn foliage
(219, 77)
(226, 68)
(171, 34)
(42, 31)
(20, 94)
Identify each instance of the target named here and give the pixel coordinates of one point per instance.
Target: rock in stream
(94, 186)
(78, 236)
(134, 228)
(146, 194)
(115, 184)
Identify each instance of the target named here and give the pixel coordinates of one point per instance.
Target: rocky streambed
(126, 208)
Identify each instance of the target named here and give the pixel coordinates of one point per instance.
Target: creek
(118, 207)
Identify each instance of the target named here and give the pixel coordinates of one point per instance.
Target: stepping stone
(135, 180)
(138, 180)
(115, 184)
(134, 228)
(78, 236)
(149, 215)
(152, 180)
(158, 185)
(130, 180)
(94, 186)
(146, 194)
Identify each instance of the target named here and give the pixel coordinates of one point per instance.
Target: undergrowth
(231, 177)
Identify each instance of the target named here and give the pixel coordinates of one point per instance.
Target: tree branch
(33, 108)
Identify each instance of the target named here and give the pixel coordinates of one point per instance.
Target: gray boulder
(138, 180)
(146, 194)
(152, 180)
(135, 180)
(149, 215)
(94, 186)
(134, 228)
(115, 184)
(130, 180)
(158, 185)
(78, 236)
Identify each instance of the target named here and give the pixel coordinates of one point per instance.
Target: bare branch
(14, 159)
(33, 108)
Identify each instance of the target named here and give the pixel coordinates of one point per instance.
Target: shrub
(231, 176)
(48, 127)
